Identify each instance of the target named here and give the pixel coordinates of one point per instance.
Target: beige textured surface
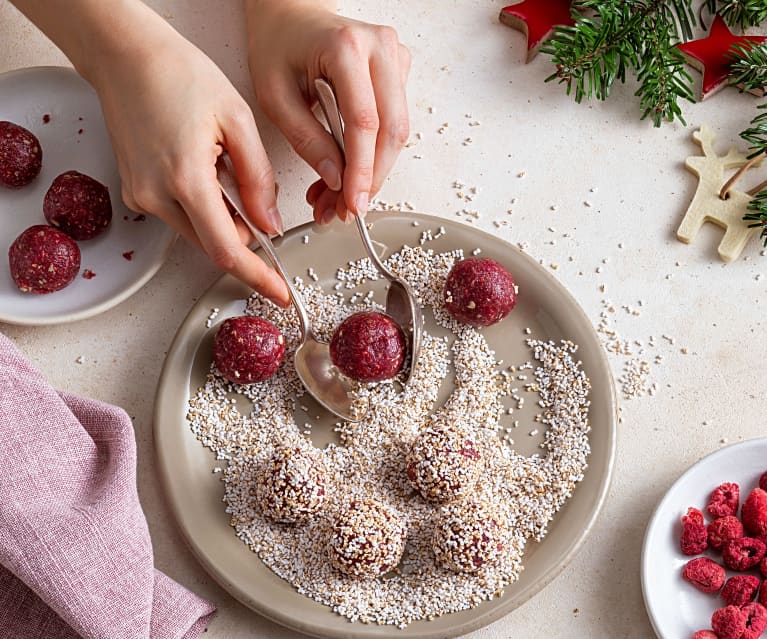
(640, 192)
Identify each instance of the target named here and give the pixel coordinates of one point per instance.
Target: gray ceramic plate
(195, 493)
(73, 138)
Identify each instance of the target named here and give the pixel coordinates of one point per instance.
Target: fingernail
(361, 203)
(328, 215)
(330, 174)
(349, 219)
(276, 220)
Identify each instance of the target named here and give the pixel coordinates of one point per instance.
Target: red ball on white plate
(21, 155)
(479, 291)
(248, 349)
(43, 260)
(78, 205)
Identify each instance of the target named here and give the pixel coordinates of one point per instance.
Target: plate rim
(724, 451)
(111, 302)
(484, 618)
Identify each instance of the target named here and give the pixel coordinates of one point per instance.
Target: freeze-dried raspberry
(763, 567)
(763, 481)
(743, 553)
(729, 622)
(754, 513)
(694, 538)
(705, 574)
(705, 634)
(762, 596)
(756, 620)
(740, 590)
(722, 530)
(724, 500)
(479, 291)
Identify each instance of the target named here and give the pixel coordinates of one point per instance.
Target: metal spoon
(312, 357)
(401, 303)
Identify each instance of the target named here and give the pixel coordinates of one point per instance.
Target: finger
(392, 109)
(404, 64)
(288, 109)
(357, 102)
(314, 191)
(202, 201)
(254, 172)
(325, 206)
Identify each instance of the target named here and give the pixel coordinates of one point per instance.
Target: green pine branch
(617, 35)
(741, 13)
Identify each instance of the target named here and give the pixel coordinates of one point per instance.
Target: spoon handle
(231, 192)
(329, 104)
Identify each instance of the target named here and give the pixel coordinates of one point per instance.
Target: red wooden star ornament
(537, 20)
(712, 55)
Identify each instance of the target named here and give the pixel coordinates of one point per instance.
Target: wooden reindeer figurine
(711, 203)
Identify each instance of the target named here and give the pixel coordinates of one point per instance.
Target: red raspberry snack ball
(724, 500)
(444, 463)
(754, 513)
(367, 540)
(740, 590)
(43, 260)
(705, 574)
(469, 535)
(705, 634)
(479, 291)
(756, 621)
(729, 622)
(763, 481)
(694, 539)
(78, 205)
(21, 155)
(743, 553)
(722, 530)
(290, 486)
(248, 349)
(368, 347)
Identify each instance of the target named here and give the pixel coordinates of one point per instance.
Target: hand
(170, 113)
(293, 42)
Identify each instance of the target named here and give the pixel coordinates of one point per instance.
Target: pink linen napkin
(75, 553)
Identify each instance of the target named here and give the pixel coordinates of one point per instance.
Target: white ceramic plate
(26, 96)
(676, 609)
(195, 492)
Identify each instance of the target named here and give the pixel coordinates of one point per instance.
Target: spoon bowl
(311, 359)
(401, 304)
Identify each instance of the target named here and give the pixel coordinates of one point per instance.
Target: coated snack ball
(78, 205)
(694, 539)
(742, 554)
(705, 574)
(740, 590)
(722, 530)
(43, 260)
(754, 513)
(443, 463)
(367, 540)
(248, 349)
(479, 291)
(368, 347)
(729, 622)
(21, 155)
(470, 535)
(290, 486)
(756, 620)
(724, 500)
